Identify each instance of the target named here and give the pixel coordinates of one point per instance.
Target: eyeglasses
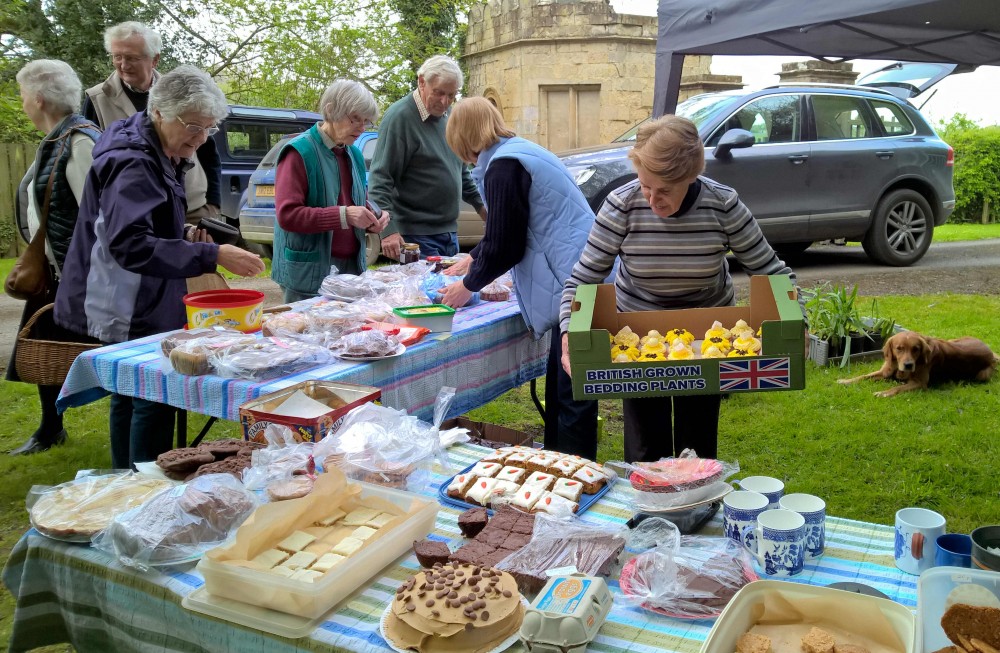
(197, 129)
(128, 58)
(360, 122)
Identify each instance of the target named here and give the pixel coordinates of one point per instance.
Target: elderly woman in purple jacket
(126, 269)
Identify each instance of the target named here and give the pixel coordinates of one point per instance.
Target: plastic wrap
(268, 358)
(658, 501)
(179, 524)
(77, 510)
(192, 356)
(279, 461)
(565, 544)
(367, 344)
(690, 577)
(681, 474)
(495, 292)
(404, 333)
(351, 287)
(372, 309)
(384, 446)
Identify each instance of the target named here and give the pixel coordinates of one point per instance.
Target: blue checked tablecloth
(72, 593)
(487, 353)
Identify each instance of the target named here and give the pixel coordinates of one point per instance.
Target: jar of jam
(410, 253)
(436, 260)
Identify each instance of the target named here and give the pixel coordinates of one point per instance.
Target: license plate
(265, 191)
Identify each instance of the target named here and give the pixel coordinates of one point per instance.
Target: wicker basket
(45, 362)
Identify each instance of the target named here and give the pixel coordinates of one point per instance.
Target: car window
(893, 118)
(368, 151)
(840, 117)
(254, 140)
(771, 119)
(271, 158)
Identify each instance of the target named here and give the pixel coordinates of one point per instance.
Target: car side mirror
(734, 138)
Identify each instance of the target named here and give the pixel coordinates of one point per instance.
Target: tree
(430, 27)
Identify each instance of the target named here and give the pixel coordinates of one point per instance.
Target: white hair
(345, 97)
(128, 29)
(55, 81)
(185, 89)
(440, 66)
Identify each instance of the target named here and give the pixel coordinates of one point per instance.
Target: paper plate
(502, 646)
(715, 496)
(675, 474)
(625, 583)
(399, 352)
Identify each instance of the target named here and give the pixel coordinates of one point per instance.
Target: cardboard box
(489, 431)
(773, 307)
(256, 415)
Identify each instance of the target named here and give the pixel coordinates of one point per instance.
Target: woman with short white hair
(126, 270)
(321, 193)
(51, 191)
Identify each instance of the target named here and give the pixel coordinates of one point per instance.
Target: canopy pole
(669, 67)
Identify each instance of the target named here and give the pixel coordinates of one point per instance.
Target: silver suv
(816, 162)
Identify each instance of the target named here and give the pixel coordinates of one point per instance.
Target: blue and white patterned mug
(813, 510)
(771, 488)
(781, 542)
(740, 510)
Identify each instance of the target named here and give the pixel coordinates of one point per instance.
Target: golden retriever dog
(920, 360)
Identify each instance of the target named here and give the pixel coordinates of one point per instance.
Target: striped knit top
(675, 262)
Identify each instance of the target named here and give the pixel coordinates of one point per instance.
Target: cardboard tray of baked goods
(231, 580)
(785, 612)
(586, 500)
(258, 414)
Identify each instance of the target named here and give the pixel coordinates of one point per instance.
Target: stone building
(570, 73)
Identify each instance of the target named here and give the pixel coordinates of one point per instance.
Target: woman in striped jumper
(672, 229)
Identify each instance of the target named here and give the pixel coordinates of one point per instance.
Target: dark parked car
(244, 137)
(257, 209)
(816, 162)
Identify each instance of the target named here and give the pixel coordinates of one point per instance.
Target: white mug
(813, 510)
(781, 537)
(740, 510)
(771, 488)
(917, 530)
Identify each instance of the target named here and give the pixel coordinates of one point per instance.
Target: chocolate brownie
(429, 552)
(592, 555)
(472, 522)
(223, 448)
(186, 459)
(233, 465)
(491, 544)
(972, 622)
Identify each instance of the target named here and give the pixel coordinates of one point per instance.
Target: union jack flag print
(753, 374)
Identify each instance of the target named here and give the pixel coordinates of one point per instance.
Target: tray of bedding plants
(533, 480)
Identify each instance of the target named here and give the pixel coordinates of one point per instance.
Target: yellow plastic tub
(235, 309)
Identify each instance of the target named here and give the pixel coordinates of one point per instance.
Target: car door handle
(798, 159)
(885, 154)
(234, 185)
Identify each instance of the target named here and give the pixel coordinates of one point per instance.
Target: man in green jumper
(414, 174)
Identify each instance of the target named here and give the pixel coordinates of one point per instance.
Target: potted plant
(837, 328)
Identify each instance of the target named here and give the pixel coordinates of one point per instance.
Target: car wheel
(901, 230)
(791, 250)
(373, 248)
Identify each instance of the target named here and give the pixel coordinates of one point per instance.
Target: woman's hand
(380, 224)
(455, 295)
(565, 353)
(361, 217)
(239, 261)
(391, 246)
(461, 268)
(195, 235)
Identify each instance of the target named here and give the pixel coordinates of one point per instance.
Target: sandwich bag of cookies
(685, 577)
(179, 524)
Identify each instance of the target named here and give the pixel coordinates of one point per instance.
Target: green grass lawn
(867, 456)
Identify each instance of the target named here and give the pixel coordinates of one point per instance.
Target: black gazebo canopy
(941, 31)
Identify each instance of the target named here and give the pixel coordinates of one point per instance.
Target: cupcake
(749, 343)
(717, 331)
(680, 351)
(722, 344)
(683, 335)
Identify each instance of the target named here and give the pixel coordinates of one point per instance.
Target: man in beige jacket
(135, 53)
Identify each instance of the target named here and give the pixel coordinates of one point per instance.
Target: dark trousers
(648, 432)
(445, 244)
(140, 430)
(570, 425)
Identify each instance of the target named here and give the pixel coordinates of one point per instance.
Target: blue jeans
(140, 430)
(570, 425)
(435, 244)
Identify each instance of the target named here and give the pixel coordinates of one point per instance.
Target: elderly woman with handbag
(48, 201)
(131, 254)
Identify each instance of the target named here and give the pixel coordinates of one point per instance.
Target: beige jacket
(112, 104)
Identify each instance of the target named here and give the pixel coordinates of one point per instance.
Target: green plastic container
(436, 317)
